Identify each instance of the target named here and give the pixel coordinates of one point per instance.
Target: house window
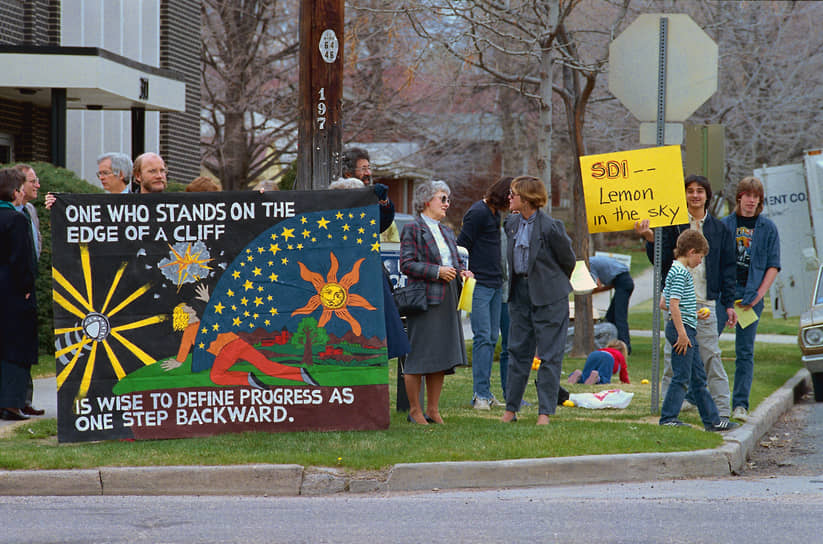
(6, 148)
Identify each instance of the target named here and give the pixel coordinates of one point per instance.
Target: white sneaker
(740, 413)
(494, 402)
(482, 404)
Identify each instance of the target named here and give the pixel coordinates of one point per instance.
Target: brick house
(82, 77)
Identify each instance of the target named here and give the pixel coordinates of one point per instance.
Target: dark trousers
(618, 312)
(541, 330)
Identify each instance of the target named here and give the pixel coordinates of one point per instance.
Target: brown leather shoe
(30, 410)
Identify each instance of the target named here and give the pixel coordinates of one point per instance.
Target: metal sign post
(658, 232)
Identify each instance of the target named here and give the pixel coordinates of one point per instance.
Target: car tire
(817, 381)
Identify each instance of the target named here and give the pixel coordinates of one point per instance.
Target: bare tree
(249, 88)
(520, 44)
(770, 84)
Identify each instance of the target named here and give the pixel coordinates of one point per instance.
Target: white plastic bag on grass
(613, 398)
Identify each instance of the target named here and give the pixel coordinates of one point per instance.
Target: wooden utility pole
(321, 93)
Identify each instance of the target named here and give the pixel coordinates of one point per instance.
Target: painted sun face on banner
(333, 296)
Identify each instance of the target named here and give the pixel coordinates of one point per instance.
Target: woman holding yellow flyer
(428, 256)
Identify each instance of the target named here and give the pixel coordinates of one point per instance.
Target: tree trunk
(234, 152)
(308, 357)
(544, 136)
(575, 102)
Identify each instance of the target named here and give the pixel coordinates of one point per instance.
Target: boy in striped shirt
(681, 333)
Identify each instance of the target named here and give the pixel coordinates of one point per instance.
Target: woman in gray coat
(541, 261)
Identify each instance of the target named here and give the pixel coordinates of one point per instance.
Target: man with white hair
(114, 172)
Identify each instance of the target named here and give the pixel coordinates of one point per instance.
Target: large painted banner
(191, 314)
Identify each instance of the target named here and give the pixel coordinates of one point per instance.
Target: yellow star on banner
(235, 274)
(219, 308)
(287, 233)
(273, 277)
(322, 222)
(216, 327)
(346, 227)
(339, 215)
(236, 322)
(306, 233)
(375, 246)
(303, 220)
(285, 260)
(258, 301)
(274, 248)
(248, 285)
(230, 293)
(257, 271)
(244, 301)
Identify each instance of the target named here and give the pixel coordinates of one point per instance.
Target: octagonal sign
(691, 66)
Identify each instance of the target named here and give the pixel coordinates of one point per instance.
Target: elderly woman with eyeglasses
(428, 255)
(541, 261)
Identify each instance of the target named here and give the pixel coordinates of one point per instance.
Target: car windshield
(818, 295)
(392, 234)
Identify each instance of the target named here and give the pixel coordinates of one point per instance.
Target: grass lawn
(468, 435)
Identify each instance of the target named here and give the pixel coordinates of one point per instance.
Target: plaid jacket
(420, 258)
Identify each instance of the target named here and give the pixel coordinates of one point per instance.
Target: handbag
(411, 299)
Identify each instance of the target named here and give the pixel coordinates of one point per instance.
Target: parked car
(390, 249)
(810, 337)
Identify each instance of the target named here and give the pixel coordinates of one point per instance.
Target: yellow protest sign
(628, 186)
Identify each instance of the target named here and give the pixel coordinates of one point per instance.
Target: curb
(296, 480)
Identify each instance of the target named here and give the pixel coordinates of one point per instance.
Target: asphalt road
(700, 511)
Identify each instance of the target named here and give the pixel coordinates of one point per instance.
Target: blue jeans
(618, 312)
(485, 320)
(687, 374)
(602, 362)
(744, 361)
(504, 345)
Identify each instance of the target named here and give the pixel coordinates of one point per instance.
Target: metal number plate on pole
(658, 232)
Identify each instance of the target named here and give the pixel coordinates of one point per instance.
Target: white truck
(794, 201)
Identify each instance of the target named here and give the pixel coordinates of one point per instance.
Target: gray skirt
(436, 337)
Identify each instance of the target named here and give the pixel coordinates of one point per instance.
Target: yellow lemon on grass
(644, 381)
(569, 403)
(536, 363)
